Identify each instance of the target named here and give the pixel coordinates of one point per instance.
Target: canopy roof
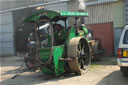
(38, 14)
(52, 15)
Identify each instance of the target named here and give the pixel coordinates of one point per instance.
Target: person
(57, 27)
(32, 36)
(58, 34)
(32, 43)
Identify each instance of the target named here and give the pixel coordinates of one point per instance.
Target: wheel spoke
(80, 46)
(78, 51)
(82, 64)
(81, 58)
(83, 49)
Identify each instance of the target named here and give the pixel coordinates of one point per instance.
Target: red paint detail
(119, 53)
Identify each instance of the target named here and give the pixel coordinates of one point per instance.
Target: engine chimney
(82, 8)
(76, 5)
(81, 5)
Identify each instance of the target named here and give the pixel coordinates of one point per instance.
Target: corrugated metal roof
(8, 6)
(99, 2)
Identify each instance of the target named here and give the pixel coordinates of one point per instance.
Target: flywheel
(79, 51)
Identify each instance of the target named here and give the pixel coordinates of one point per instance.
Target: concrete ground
(104, 72)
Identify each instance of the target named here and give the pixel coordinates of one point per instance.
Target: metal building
(11, 15)
(6, 34)
(107, 20)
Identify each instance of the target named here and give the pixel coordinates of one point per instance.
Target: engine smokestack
(81, 5)
(82, 8)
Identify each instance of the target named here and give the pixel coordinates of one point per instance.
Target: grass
(102, 63)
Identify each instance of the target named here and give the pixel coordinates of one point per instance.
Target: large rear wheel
(79, 51)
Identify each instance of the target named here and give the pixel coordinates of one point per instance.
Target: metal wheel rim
(78, 66)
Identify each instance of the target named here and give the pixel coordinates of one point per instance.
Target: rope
(18, 73)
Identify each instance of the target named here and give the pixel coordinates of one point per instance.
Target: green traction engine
(56, 49)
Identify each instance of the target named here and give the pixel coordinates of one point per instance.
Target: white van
(122, 59)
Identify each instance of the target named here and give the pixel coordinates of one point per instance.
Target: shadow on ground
(105, 61)
(33, 78)
(115, 78)
(10, 65)
(11, 61)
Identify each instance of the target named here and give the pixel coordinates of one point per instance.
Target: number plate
(125, 53)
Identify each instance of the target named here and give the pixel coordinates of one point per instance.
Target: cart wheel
(79, 51)
(30, 64)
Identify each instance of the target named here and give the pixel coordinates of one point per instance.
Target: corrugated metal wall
(10, 4)
(107, 12)
(119, 18)
(117, 34)
(126, 12)
(6, 34)
(100, 13)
